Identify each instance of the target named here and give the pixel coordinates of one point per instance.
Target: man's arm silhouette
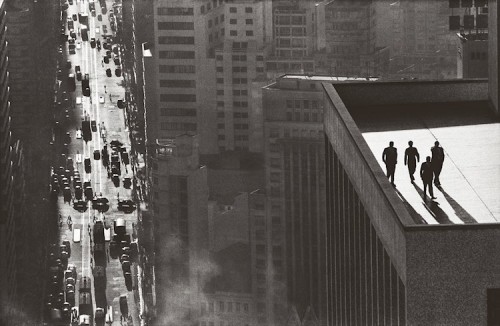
(384, 153)
(406, 155)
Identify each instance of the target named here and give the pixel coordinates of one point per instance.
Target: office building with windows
(179, 203)
(394, 255)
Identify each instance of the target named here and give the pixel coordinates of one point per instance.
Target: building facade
(295, 188)
(179, 203)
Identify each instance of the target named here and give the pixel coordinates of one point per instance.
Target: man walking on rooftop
(411, 159)
(437, 162)
(426, 173)
(390, 158)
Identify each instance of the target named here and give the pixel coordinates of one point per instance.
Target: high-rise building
(294, 184)
(394, 255)
(472, 55)
(204, 62)
(179, 202)
(299, 34)
(421, 43)
(11, 196)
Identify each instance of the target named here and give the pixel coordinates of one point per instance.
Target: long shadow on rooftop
(433, 207)
(459, 210)
(418, 116)
(414, 214)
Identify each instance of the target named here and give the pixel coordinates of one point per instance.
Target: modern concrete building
(11, 196)
(472, 55)
(294, 151)
(394, 256)
(179, 203)
(299, 33)
(421, 43)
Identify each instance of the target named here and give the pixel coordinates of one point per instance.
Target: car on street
(99, 316)
(123, 305)
(97, 30)
(78, 45)
(74, 16)
(108, 72)
(106, 61)
(101, 99)
(97, 154)
(85, 284)
(127, 183)
(99, 17)
(79, 76)
(93, 125)
(88, 165)
(92, 42)
(118, 72)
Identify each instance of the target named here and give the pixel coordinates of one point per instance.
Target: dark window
(176, 40)
(177, 98)
(233, 10)
(248, 10)
(233, 33)
(178, 83)
(233, 21)
(176, 54)
(176, 25)
(175, 11)
(249, 33)
(249, 21)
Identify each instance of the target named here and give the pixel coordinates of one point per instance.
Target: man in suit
(426, 173)
(390, 158)
(437, 162)
(411, 159)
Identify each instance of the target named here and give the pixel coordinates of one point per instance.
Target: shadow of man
(433, 207)
(459, 210)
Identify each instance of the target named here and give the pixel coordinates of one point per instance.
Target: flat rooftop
(470, 137)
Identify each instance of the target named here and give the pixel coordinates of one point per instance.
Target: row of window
(175, 11)
(302, 104)
(234, 21)
(236, 104)
(177, 97)
(235, 33)
(288, 133)
(186, 126)
(224, 307)
(177, 69)
(178, 83)
(290, 20)
(176, 54)
(237, 126)
(175, 26)
(234, 10)
(171, 112)
(290, 31)
(291, 43)
(176, 39)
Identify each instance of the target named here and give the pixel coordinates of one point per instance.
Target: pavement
(110, 118)
(470, 176)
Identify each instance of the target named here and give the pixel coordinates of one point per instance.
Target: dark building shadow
(414, 214)
(459, 210)
(433, 207)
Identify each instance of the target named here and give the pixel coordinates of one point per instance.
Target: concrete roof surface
(470, 178)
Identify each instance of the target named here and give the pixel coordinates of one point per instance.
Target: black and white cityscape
(249, 162)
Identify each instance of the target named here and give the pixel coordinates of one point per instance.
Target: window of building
(238, 307)
(171, 26)
(233, 21)
(202, 9)
(249, 33)
(245, 308)
(233, 10)
(220, 126)
(220, 104)
(209, 23)
(176, 40)
(222, 18)
(219, 69)
(176, 54)
(175, 11)
(221, 137)
(221, 306)
(220, 92)
(248, 10)
(220, 80)
(220, 114)
(249, 21)
(229, 307)
(289, 116)
(233, 33)
(177, 97)
(177, 83)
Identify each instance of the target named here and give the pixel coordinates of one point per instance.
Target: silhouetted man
(437, 161)
(390, 158)
(426, 173)
(411, 159)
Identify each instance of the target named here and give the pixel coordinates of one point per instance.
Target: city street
(108, 125)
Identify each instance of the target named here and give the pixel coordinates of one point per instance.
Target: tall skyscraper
(422, 46)
(11, 196)
(394, 255)
(179, 203)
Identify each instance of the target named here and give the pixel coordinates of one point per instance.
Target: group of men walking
(429, 170)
